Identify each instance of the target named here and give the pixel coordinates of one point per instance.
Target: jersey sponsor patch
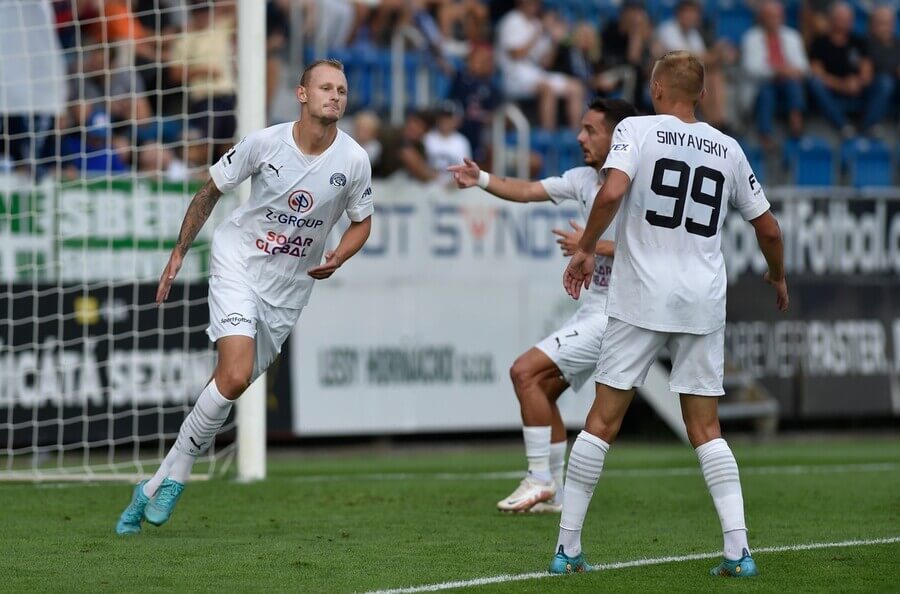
(620, 147)
(300, 201)
(279, 244)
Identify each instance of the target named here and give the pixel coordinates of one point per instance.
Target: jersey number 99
(680, 191)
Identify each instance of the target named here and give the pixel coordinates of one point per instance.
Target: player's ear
(702, 95)
(301, 94)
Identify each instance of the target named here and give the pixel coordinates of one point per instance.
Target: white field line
(613, 473)
(499, 579)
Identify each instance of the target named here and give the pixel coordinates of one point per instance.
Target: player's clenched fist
(578, 273)
(168, 276)
(465, 175)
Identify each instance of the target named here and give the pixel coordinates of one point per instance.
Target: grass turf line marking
(632, 472)
(498, 579)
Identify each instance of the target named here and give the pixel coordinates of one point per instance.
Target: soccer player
(265, 259)
(672, 177)
(568, 356)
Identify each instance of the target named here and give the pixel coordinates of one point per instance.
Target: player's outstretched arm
(351, 242)
(198, 211)
(768, 236)
(469, 175)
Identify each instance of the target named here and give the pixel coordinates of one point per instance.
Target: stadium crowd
(166, 109)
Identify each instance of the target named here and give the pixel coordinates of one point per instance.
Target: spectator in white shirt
(683, 33)
(444, 144)
(774, 59)
(526, 46)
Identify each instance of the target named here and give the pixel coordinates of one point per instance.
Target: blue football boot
(743, 567)
(562, 563)
(130, 520)
(160, 508)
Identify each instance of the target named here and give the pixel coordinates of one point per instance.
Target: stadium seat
(660, 10)
(757, 161)
(810, 161)
(568, 151)
(867, 162)
(732, 19)
(543, 143)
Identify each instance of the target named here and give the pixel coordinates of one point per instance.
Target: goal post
(106, 133)
(251, 113)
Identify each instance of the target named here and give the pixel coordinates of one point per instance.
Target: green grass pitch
(353, 523)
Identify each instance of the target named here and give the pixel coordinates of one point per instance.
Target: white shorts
(575, 347)
(698, 360)
(524, 78)
(236, 310)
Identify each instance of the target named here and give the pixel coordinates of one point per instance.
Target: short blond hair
(682, 73)
(336, 64)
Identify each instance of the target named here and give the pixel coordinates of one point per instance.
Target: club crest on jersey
(300, 201)
(339, 180)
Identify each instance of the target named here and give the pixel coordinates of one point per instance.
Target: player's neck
(683, 111)
(313, 137)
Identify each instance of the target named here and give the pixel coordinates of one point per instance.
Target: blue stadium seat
(568, 150)
(543, 143)
(756, 158)
(867, 161)
(810, 161)
(732, 19)
(661, 10)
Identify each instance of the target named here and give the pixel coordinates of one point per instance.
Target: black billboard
(835, 353)
(99, 363)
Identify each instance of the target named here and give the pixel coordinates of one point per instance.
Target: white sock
(537, 450)
(585, 464)
(724, 483)
(558, 468)
(195, 436)
(162, 472)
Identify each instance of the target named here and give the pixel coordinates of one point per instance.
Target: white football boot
(529, 493)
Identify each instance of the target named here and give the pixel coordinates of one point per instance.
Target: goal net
(111, 112)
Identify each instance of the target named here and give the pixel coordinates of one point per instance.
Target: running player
(568, 356)
(674, 177)
(265, 259)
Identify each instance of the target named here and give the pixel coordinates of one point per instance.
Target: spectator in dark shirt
(841, 69)
(474, 89)
(884, 49)
(579, 56)
(625, 56)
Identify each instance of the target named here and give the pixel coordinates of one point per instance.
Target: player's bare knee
(700, 433)
(232, 382)
(521, 373)
(605, 429)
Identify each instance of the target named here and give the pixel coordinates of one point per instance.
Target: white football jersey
(280, 232)
(670, 274)
(581, 184)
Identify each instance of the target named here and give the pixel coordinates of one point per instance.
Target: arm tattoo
(197, 213)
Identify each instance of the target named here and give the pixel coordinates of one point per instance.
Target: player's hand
(578, 273)
(465, 175)
(568, 240)
(168, 277)
(781, 292)
(326, 269)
